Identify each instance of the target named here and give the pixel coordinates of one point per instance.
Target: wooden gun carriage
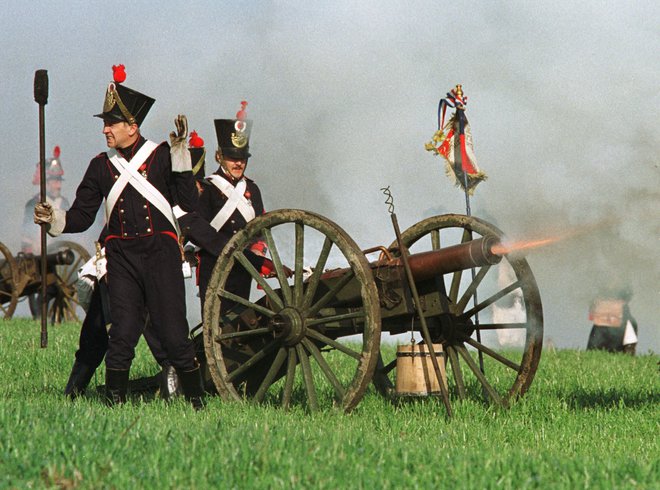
(314, 339)
(20, 276)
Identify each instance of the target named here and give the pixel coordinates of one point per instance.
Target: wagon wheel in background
(8, 281)
(284, 348)
(64, 307)
(506, 289)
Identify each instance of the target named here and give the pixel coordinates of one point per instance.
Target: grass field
(590, 420)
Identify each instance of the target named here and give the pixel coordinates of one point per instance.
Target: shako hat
(123, 103)
(234, 135)
(54, 170)
(197, 155)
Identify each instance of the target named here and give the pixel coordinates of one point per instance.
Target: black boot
(81, 375)
(170, 385)
(116, 386)
(193, 389)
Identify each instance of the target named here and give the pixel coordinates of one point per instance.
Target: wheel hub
(452, 329)
(289, 325)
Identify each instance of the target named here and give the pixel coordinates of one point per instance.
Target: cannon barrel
(425, 265)
(63, 257)
(475, 253)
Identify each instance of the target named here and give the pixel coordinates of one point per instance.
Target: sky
(563, 101)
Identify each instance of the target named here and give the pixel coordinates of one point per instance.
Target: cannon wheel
(65, 304)
(8, 281)
(283, 348)
(507, 371)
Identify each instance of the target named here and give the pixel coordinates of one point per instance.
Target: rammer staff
(41, 98)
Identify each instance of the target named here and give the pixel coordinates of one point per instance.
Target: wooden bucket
(415, 375)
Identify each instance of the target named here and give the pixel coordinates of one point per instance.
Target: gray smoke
(562, 100)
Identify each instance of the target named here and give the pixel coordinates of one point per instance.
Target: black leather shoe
(81, 375)
(116, 386)
(193, 388)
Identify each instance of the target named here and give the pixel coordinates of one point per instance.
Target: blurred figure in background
(509, 309)
(614, 328)
(31, 235)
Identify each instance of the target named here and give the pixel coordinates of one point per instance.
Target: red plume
(56, 152)
(195, 140)
(118, 73)
(242, 114)
(36, 177)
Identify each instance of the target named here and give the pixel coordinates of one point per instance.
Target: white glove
(101, 266)
(96, 267)
(181, 161)
(43, 213)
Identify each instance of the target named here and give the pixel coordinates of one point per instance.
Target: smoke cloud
(562, 100)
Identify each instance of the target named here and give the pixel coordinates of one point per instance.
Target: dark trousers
(146, 273)
(609, 339)
(93, 342)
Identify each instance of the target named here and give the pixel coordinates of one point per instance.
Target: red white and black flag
(453, 141)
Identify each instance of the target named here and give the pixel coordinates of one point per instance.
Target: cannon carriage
(321, 336)
(20, 277)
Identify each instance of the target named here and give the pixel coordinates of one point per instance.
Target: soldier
(93, 342)
(31, 237)
(140, 181)
(614, 328)
(230, 200)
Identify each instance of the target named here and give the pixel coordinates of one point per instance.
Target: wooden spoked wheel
(8, 283)
(290, 343)
(65, 306)
(490, 327)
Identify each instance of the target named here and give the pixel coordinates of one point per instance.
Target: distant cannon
(20, 276)
(315, 339)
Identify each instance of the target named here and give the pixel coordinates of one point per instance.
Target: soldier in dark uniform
(230, 200)
(93, 342)
(614, 328)
(140, 182)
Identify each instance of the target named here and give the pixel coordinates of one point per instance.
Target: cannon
(20, 276)
(320, 337)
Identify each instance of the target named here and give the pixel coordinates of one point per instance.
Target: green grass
(590, 420)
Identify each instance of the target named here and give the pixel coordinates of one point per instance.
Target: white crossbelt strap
(629, 336)
(128, 174)
(235, 200)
